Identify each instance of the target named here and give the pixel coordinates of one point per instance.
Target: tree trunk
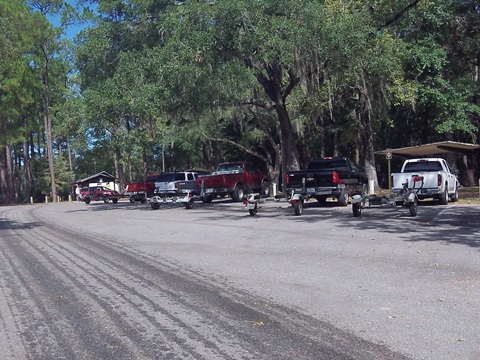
(288, 140)
(273, 86)
(367, 133)
(70, 159)
(6, 176)
(48, 124)
(28, 174)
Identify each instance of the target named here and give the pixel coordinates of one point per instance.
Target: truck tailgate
(313, 178)
(430, 179)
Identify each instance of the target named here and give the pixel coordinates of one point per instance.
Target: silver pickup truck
(173, 187)
(439, 180)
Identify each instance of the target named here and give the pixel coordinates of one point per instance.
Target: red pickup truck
(99, 193)
(233, 179)
(142, 190)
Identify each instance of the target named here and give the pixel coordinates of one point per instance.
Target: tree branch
(243, 148)
(399, 14)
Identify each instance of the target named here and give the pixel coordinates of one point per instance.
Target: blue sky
(72, 30)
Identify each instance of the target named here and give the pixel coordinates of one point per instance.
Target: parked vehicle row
(338, 178)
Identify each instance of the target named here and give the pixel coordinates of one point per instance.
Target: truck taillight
(287, 179)
(176, 185)
(336, 178)
(439, 179)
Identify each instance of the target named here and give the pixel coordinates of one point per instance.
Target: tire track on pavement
(143, 307)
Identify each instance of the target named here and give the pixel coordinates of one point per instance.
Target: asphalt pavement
(323, 285)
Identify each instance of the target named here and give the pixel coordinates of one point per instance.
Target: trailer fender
(357, 199)
(411, 197)
(295, 198)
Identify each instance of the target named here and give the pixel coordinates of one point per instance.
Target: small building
(100, 179)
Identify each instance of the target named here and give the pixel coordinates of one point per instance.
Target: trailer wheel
(189, 204)
(357, 209)
(298, 207)
(253, 211)
(412, 207)
(87, 200)
(155, 206)
(132, 199)
(115, 201)
(143, 200)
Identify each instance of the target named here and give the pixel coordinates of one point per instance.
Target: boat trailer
(407, 198)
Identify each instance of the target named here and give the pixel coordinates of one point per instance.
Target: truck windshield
(422, 166)
(169, 177)
(230, 167)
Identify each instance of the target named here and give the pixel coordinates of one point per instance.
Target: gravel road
(121, 281)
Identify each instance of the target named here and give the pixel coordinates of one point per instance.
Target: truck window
(190, 176)
(328, 164)
(230, 167)
(151, 178)
(167, 177)
(422, 166)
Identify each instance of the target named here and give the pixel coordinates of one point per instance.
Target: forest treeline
(155, 85)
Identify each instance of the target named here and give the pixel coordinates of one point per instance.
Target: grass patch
(469, 195)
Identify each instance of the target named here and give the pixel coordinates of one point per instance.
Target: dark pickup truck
(335, 177)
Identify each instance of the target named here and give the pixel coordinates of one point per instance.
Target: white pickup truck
(439, 180)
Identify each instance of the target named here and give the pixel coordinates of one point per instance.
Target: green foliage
(171, 85)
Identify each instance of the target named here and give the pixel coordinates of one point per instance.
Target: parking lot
(411, 284)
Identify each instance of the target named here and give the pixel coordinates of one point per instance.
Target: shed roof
(106, 177)
(433, 149)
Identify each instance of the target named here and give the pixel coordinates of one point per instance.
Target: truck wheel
(298, 207)
(132, 199)
(207, 199)
(454, 197)
(412, 207)
(253, 211)
(343, 198)
(155, 206)
(189, 204)
(265, 191)
(357, 209)
(106, 200)
(87, 200)
(321, 199)
(444, 197)
(115, 201)
(237, 194)
(143, 200)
